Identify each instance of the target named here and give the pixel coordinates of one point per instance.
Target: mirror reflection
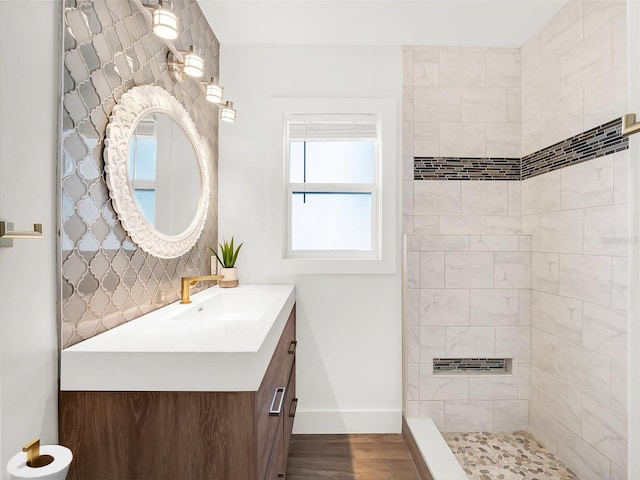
(164, 174)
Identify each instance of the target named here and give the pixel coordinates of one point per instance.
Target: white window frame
(386, 259)
(371, 188)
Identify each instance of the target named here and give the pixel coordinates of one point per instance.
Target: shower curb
(431, 454)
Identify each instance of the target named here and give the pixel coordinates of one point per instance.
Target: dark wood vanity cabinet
(185, 435)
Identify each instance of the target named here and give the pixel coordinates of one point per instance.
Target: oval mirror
(157, 171)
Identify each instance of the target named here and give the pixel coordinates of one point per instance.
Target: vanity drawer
(278, 461)
(271, 397)
(291, 404)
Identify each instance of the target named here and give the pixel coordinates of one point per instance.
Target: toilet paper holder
(34, 459)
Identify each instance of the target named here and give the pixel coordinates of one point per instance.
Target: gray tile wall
(105, 279)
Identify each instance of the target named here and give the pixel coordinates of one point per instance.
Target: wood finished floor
(350, 457)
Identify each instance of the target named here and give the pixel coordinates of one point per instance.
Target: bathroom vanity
(204, 391)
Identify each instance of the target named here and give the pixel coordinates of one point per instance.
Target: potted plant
(227, 259)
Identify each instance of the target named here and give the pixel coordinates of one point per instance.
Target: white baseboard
(338, 422)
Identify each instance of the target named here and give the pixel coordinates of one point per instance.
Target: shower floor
(505, 456)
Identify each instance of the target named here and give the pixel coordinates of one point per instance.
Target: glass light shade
(214, 92)
(193, 63)
(228, 113)
(165, 22)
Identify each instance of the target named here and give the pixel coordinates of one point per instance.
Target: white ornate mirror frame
(132, 106)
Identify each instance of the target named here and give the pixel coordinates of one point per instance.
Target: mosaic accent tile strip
(108, 48)
(505, 456)
(594, 143)
(458, 168)
(450, 365)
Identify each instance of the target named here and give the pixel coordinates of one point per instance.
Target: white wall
(633, 20)
(349, 326)
(29, 88)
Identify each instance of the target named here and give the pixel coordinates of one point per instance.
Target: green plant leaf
(228, 253)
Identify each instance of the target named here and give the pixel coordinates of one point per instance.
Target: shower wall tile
(562, 232)
(606, 231)
(584, 370)
(468, 416)
(587, 184)
(436, 198)
(462, 68)
(559, 316)
(514, 342)
(512, 270)
(606, 430)
(443, 243)
(432, 345)
(571, 65)
(510, 415)
(619, 389)
(433, 410)
(441, 388)
(494, 387)
(444, 307)
(469, 270)
(432, 269)
(494, 243)
(543, 427)
(584, 460)
(462, 139)
(545, 272)
(482, 104)
(563, 402)
(484, 198)
(620, 283)
(542, 194)
(605, 331)
(504, 225)
(470, 342)
(494, 307)
(621, 177)
(586, 277)
(436, 104)
(463, 224)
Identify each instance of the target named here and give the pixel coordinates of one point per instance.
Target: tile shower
(106, 280)
(518, 250)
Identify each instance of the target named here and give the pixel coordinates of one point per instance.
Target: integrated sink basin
(224, 339)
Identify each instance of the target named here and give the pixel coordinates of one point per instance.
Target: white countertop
(222, 341)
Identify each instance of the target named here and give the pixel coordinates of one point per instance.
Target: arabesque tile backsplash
(105, 279)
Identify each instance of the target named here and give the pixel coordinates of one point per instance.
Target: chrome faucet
(187, 282)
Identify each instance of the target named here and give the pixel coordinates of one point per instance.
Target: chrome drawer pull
(273, 410)
(292, 347)
(294, 407)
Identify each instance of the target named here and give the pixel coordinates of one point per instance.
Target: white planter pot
(230, 277)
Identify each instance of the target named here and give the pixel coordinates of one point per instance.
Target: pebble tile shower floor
(505, 456)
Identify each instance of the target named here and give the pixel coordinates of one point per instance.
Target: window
(142, 167)
(332, 205)
(332, 194)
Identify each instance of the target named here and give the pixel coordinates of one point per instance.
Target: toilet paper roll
(17, 467)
